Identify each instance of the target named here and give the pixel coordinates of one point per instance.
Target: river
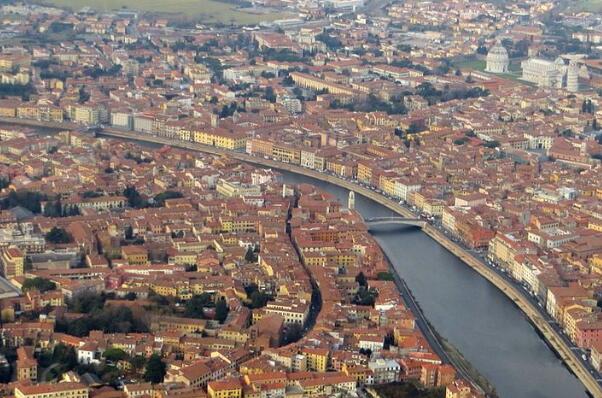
(486, 327)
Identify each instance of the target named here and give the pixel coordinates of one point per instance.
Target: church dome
(498, 59)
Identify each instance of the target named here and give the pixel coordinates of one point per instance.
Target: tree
(109, 319)
(361, 279)
(65, 356)
(129, 233)
(221, 310)
(414, 128)
(92, 194)
(332, 42)
(365, 296)
(292, 333)
(138, 362)
(115, 354)
(40, 284)
(250, 255)
(32, 201)
(270, 95)
(154, 371)
(384, 276)
(58, 236)
(195, 305)
(134, 198)
(83, 95)
(4, 182)
(228, 110)
(389, 341)
(160, 199)
(259, 299)
(491, 144)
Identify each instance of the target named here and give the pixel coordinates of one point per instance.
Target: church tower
(351, 200)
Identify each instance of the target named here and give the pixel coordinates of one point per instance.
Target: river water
(487, 328)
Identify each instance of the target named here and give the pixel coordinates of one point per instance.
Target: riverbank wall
(537, 319)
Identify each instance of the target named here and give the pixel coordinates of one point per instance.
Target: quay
(553, 338)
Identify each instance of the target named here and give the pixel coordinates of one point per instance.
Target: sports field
(204, 10)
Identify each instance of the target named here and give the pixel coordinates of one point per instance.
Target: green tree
(269, 94)
(160, 199)
(154, 371)
(58, 235)
(361, 279)
(29, 200)
(134, 198)
(384, 276)
(194, 306)
(138, 362)
(115, 354)
(365, 296)
(4, 182)
(250, 255)
(259, 299)
(129, 232)
(40, 284)
(65, 356)
(221, 310)
(292, 333)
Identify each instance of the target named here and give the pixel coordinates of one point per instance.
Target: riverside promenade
(530, 310)
(566, 354)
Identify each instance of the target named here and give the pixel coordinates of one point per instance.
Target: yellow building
(52, 390)
(8, 108)
(232, 334)
(286, 154)
(12, 262)
(595, 262)
(235, 188)
(595, 224)
(26, 111)
(172, 323)
(135, 255)
(220, 139)
(317, 358)
(27, 366)
(86, 114)
(231, 388)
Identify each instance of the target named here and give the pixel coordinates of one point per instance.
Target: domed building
(497, 59)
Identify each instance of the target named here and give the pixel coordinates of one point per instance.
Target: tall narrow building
(572, 77)
(351, 200)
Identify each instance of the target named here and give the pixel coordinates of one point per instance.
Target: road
(551, 335)
(531, 311)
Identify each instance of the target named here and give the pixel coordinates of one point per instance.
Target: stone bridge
(377, 221)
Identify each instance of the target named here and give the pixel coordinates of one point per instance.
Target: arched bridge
(376, 221)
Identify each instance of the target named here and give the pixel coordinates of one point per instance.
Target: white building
(555, 74)
(572, 77)
(544, 73)
(385, 370)
(497, 59)
(88, 354)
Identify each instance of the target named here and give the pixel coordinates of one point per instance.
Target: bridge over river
(378, 221)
